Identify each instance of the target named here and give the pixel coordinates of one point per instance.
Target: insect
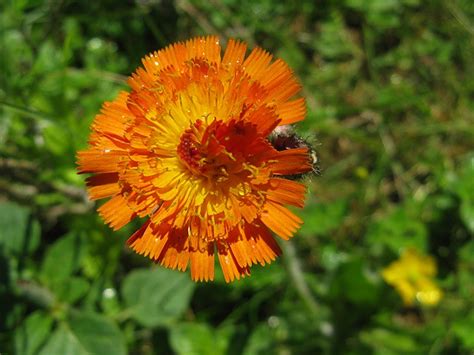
(284, 137)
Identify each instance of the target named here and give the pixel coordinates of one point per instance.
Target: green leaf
(20, 233)
(157, 296)
(71, 290)
(98, 334)
(463, 186)
(32, 333)
(331, 257)
(353, 282)
(396, 231)
(86, 333)
(321, 218)
(466, 253)
(464, 328)
(63, 342)
(333, 43)
(57, 139)
(62, 259)
(384, 341)
(199, 339)
(260, 341)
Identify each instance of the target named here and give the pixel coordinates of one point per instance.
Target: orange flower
(188, 148)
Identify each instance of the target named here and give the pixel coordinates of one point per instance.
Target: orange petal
(202, 263)
(291, 111)
(280, 220)
(264, 118)
(234, 54)
(256, 63)
(105, 141)
(143, 102)
(253, 244)
(172, 56)
(175, 254)
(279, 81)
(242, 252)
(286, 191)
(150, 240)
(141, 79)
(116, 212)
(230, 268)
(241, 249)
(139, 233)
(100, 161)
(204, 47)
(291, 161)
(260, 239)
(114, 117)
(103, 185)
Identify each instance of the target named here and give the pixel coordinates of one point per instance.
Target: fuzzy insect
(285, 137)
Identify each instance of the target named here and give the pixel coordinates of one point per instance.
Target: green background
(389, 87)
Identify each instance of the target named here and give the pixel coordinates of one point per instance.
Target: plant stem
(295, 272)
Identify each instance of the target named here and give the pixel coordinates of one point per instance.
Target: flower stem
(293, 266)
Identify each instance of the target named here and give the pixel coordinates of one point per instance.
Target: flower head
(412, 276)
(188, 149)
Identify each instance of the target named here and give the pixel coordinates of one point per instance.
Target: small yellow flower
(412, 276)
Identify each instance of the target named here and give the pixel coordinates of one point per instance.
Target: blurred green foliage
(390, 88)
